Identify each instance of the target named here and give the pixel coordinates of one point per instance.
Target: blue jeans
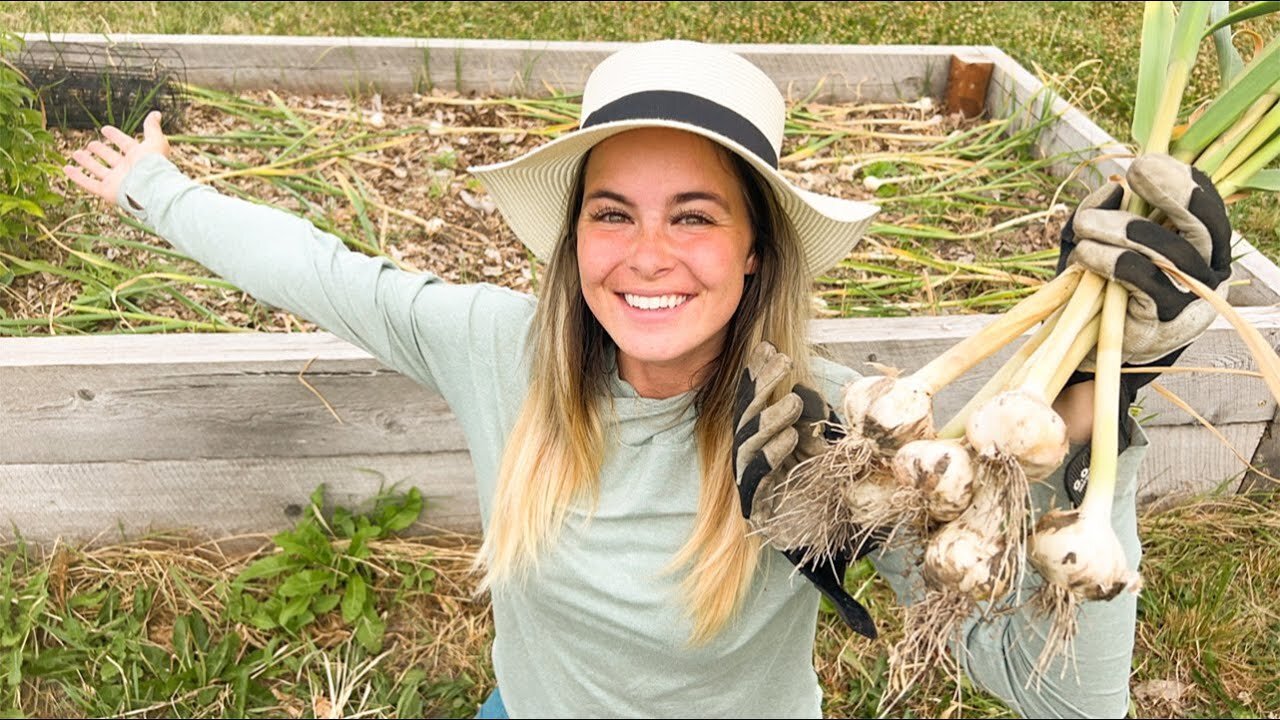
(493, 707)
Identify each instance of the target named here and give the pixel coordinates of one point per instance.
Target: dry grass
(1208, 639)
(968, 219)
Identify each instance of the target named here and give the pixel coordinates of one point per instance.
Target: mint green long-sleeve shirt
(600, 629)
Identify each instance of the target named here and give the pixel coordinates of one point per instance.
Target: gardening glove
(1162, 318)
(765, 436)
(769, 440)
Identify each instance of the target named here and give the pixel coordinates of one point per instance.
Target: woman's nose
(651, 254)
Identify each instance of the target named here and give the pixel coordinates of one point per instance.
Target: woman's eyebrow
(691, 196)
(679, 199)
(609, 195)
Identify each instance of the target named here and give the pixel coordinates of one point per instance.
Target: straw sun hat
(678, 84)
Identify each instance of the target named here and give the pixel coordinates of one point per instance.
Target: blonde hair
(554, 453)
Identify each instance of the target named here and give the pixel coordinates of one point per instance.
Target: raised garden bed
(219, 432)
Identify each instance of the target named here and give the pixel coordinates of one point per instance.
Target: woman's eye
(693, 218)
(609, 216)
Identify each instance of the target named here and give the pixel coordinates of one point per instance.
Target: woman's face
(664, 245)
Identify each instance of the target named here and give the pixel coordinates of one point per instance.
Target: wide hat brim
(532, 193)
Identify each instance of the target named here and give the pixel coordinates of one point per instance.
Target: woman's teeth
(657, 302)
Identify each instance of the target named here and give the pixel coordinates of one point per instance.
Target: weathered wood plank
(400, 65)
(222, 498)
(213, 396)
(173, 411)
(1256, 280)
(909, 343)
(1187, 460)
(252, 352)
(80, 501)
(1264, 477)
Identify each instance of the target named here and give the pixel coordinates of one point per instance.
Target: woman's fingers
(106, 153)
(100, 167)
(86, 183)
(89, 164)
(119, 139)
(151, 131)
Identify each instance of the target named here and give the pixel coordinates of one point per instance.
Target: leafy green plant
(21, 604)
(163, 630)
(28, 157)
(323, 566)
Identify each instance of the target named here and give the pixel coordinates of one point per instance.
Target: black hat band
(691, 110)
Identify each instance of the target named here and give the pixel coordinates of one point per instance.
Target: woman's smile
(668, 301)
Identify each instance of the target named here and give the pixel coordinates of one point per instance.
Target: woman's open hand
(99, 168)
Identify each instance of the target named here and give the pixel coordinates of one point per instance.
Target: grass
(334, 615)
(1208, 614)
(172, 626)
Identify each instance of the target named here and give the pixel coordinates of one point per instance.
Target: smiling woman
(618, 423)
(664, 244)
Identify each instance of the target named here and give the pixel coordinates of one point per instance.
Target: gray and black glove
(1163, 318)
(1162, 315)
(769, 440)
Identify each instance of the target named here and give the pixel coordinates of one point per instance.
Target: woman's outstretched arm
(413, 322)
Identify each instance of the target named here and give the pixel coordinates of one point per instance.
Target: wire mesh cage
(83, 86)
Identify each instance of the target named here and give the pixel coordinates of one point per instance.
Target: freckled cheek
(719, 267)
(595, 262)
